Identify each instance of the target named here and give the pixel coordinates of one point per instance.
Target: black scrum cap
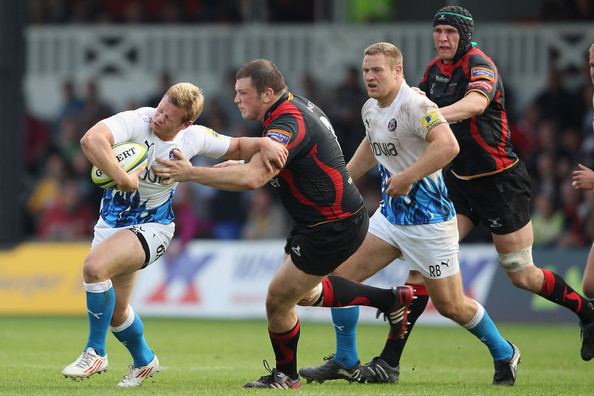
(461, 19)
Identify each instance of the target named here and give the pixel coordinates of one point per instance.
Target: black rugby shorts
(318, 250)
(501, 202)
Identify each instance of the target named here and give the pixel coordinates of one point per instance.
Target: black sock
(394, 344)
(556, 290)
(341, 292)
(285, 350)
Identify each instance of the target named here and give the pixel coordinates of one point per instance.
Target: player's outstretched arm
(273, 153)
(248, 176)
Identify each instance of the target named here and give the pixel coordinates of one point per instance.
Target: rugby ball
(130, 156)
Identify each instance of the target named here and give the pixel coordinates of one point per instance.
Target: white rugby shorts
(157, 236)
(431, 249)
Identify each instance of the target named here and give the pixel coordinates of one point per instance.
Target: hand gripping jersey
(314, 185)
(485, 142)
(397, 137)
(152, 202)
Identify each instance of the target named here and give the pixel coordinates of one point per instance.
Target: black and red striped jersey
(314, 185)
(485, 141)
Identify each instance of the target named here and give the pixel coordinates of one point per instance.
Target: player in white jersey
(410, 141)
(136, 220)
(583, 178)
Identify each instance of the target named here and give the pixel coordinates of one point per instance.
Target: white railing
(127, 60)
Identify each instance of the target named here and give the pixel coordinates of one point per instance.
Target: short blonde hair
(592, 49)
(390, 51)
(188, 97)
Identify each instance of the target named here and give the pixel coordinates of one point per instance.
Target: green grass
(201, 357)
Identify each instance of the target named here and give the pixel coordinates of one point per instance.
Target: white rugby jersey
(397, 137)
(152, 202)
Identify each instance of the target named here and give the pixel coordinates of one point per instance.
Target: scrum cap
(461, 19)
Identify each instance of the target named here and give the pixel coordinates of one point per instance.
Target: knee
(275, 301)
(517, 261)
(93, 270)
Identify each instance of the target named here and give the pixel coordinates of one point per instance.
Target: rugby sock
(345, 326)
(100, 304)
(341, 292)
(394, 344)
(485, 330)
(556, 290)
(131, 334)
(285, 350)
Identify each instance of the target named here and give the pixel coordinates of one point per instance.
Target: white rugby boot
(87, 364)
(138, 374)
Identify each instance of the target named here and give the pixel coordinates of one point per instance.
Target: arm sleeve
(482, 77)
(129, 125)
(203, 140)
(425, 116)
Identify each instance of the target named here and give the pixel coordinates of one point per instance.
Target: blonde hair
(188, 97)
(390, 51)
(592, 49)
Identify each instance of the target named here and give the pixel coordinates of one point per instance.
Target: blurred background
(67, 64)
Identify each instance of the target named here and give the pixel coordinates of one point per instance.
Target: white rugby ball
(130, 156)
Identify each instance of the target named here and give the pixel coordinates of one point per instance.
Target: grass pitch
(203, 357)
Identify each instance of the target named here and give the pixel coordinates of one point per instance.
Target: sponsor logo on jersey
(392, 125)
(278, 135)
(442, 79)
(480, 85)
(431, 120)
(385, 149)
(481, 73)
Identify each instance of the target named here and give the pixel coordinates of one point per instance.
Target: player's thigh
(373, 255)
(446, 291)
(120, 253)
(515, 240)
(290, 283)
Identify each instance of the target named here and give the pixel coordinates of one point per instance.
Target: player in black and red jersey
(317, 191)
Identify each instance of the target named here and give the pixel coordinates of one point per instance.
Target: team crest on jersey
(392, 125)
(481, 73)
(278, 135)
(212, 132)
(171, 153)
(431, 120)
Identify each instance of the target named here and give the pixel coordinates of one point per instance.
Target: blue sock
(345, 326)
(100, 304)
(485, 330)
(131, 334)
